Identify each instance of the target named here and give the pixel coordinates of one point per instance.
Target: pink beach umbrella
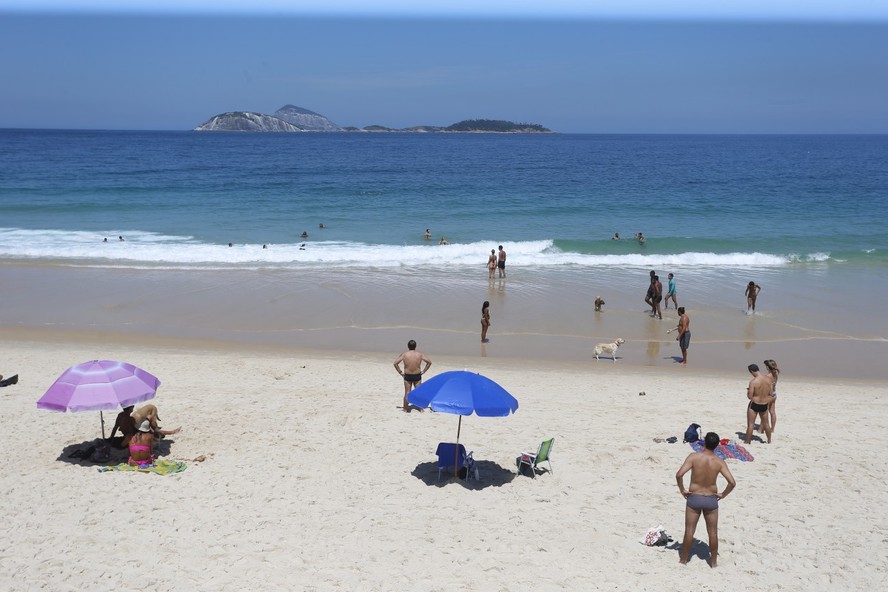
(99, 385)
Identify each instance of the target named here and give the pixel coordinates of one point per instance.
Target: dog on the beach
(609, 348)
(598, 303)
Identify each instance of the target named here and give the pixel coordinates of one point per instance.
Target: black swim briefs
(412, 377)
(758, 408)
(501, 264)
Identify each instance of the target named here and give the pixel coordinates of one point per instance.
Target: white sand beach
(315, 480)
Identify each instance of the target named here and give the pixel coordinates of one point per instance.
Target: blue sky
(612, 67)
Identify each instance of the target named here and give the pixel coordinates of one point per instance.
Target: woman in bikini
(485, 320)
(772, 375)
(752, 292)
(141, 446)
(491, 264)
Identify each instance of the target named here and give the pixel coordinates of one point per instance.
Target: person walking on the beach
(649, 297)
(657, 297)
(501, 264)
(772, 376)
(485, 320)
(752, 292)
(702, 495)
(412, 360)
(759, 394)
(684, 334)
(670, 293)
(491, 264)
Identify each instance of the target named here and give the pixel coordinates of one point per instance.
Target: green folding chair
(532, 461)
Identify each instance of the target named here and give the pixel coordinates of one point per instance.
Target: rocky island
(291, 118)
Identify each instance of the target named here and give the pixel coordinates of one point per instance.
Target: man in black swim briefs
(759, 394)
(702, 495)
(501, 263)
(412, 361)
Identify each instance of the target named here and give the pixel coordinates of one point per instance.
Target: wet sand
(536, 315)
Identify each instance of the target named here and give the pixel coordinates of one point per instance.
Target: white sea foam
(145, 249)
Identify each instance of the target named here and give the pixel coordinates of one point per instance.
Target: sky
(575, 66)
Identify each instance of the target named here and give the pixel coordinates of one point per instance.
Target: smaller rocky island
(290, 118)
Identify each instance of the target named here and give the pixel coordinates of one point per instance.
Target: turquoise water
(179, 198)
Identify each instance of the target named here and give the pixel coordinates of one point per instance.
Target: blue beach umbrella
(463, 393)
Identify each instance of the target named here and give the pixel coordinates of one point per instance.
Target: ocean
(803, 216)
(179, 199)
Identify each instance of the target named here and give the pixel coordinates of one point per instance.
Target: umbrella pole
(456, 452)
(102, 418)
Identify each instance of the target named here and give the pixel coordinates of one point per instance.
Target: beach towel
(160, 467)
(726, 451)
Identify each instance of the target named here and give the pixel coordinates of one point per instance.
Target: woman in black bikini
(485, 320)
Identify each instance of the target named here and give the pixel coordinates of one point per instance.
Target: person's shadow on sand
(87, 453)
(676, 359)
(699, 549)
(492, 475)
(755, 437)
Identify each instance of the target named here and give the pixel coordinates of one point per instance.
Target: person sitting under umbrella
(127, 426)
(141, 446)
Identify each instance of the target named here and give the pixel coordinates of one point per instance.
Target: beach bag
(655, 537)
(692, 434)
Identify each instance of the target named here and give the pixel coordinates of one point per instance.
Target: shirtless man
(412, 359)
(702, 495)
(684, 334)
(127, 427)
(649, 297)
(491, 264)
(657, 297)
(501, 264)
(759, 395)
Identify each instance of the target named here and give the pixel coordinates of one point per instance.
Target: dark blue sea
(555, 201)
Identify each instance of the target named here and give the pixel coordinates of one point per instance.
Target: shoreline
(537, 317)
(110, 342)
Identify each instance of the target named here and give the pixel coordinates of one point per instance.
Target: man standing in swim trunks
(702, 495)
(649, 297)
(412, 360)
(684, 334)
(501, 264)
(759, 395)
(657, 297)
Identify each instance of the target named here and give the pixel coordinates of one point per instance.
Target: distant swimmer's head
(711, 441)
(753, 368)
(500, 247)
(411, 345)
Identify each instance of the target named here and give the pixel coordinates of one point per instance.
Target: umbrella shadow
(81, 454)
(491, 475)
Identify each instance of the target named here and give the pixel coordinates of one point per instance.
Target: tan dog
(148, 412)
(609, 348)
